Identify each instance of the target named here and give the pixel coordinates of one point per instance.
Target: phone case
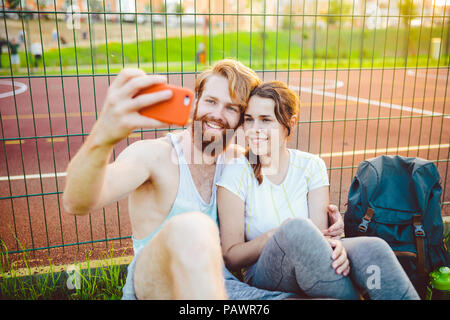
(176, 110)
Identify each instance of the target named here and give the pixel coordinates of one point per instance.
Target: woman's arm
(236, 252)
(318, 200)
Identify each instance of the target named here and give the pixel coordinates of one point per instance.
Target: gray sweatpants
(298, 259)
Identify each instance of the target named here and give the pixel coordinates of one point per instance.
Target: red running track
(400, 111)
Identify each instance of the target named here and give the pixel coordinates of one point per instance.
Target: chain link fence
(372, 78)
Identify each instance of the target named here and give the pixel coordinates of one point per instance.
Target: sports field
(346, 116)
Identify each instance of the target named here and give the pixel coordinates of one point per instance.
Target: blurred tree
(287, 19)
(13, 4)
(336, 9)
(179, 9)
(407, 9)
(95, 5)
(162, 7)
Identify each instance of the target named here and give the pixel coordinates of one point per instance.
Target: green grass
(280, 50)
(101, 283)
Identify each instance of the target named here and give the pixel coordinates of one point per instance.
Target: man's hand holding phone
(120, 114)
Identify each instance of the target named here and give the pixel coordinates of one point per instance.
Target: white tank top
(188, 198)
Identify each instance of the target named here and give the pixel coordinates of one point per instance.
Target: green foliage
(407, 9)
(339, 47)
(13, 4)
(103, 283)
(15, 286)
(336, 9)
(95, 5)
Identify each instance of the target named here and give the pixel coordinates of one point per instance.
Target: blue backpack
(399, 200)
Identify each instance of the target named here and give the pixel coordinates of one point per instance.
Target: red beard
(213, 144)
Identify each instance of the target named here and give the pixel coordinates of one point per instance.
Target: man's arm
(91, 182)
(85, 176)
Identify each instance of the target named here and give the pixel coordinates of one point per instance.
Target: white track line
(22, 88)
(365, 101)
(329, 84)
(323, 155)
(34, 176)
(384, 150)
(430, 76)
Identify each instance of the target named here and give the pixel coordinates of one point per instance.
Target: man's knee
(187, 245)
(192, 237)
(191, 226)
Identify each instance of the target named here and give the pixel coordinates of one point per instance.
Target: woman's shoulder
(233, 151)
(238, 167)
(303, 156)
(236, 175)
(240, 162)
(235, 155)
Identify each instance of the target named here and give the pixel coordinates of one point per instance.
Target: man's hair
(241, 80)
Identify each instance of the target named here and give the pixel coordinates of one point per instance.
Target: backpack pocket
(395, 227)
(390, 216)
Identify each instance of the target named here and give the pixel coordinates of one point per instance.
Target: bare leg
(183, 261)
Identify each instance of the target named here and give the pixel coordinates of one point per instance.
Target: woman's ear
(294, 120)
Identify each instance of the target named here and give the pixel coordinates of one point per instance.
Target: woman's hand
(336, 229)
(340, 260)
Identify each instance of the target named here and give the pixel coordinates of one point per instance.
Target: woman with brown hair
(273, 201)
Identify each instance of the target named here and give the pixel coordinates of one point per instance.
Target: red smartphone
(176, 110)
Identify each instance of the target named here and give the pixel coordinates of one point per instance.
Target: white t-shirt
(267, 205)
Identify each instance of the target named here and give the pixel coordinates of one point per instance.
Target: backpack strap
(420, 244)
(366, 220)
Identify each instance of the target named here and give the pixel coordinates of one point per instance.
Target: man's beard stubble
(211, 144)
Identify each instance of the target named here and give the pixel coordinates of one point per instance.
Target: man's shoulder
(148, 149)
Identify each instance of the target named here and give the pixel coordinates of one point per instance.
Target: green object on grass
(439, 288)
(440, 279)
